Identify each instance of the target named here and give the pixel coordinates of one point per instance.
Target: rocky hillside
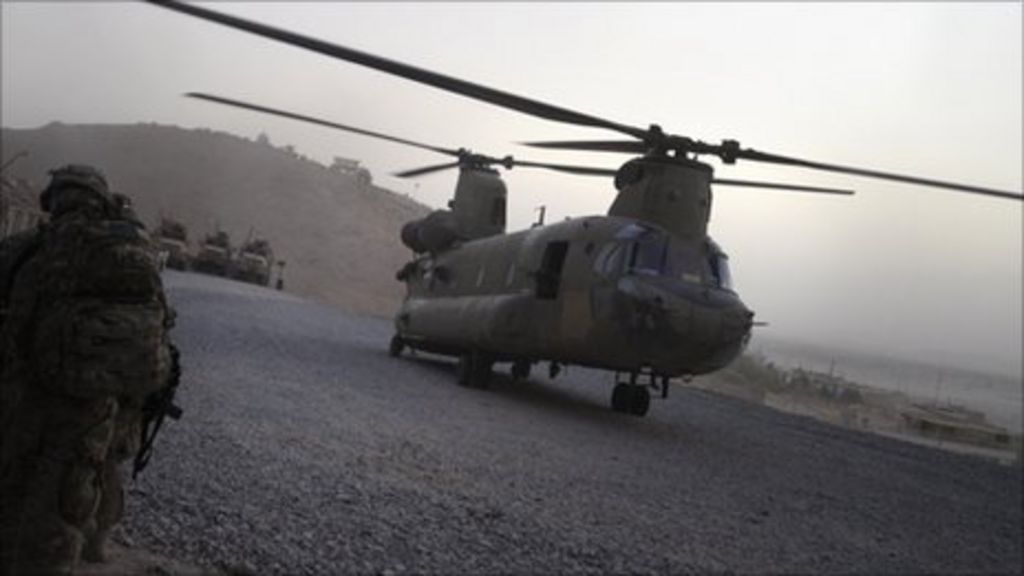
(338, 236)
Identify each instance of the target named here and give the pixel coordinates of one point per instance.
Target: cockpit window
(720, 270)
(647, 255)
(686, 263)
(608, 262)
(650, 252)
(719, 262)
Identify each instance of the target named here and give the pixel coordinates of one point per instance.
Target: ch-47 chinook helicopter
(449, 242)
(643, 291)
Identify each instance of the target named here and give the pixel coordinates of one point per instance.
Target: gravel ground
(305, 449)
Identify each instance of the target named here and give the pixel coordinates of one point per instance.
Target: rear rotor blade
(775, 186)
(426, 170)
(581, 170)
(463, 87)
(749, 154)
(318, 121)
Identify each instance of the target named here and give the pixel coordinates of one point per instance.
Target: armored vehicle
(214, 255)
(254, 262)
(172, 238)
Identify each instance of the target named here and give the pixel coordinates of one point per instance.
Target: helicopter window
(549, 277)
(609, 260)
(685, 262)
(647, 255)
(720, 270)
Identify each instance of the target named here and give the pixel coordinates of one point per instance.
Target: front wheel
(640, 400)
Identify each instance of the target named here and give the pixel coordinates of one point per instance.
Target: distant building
(954, 423)
(349, 166)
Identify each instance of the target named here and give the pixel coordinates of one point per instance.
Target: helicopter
(643, 291)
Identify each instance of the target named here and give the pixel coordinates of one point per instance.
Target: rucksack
(101, 320)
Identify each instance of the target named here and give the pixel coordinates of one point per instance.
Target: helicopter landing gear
(474, 370)
(632, 397)
(521, 369)
(554, 369)
(396, 346)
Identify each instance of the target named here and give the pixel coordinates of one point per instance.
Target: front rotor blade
(312, 120)
(468, 89)
(775, 186)
(626, 146)
(748, 154)
(426, 170)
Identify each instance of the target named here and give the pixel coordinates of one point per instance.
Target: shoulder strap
(14, 253)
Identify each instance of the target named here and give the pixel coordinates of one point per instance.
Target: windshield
(650, 252)
(720, 270)
(719, 265)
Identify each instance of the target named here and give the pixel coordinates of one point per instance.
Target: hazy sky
(927, 89)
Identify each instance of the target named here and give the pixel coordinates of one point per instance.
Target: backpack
(101, 320)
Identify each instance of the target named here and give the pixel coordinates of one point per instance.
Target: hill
(337, 234)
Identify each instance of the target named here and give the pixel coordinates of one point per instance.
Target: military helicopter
(643, 291)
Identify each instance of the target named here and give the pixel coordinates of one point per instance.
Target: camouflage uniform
(84, 339)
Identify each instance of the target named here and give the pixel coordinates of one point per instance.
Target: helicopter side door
(549, 275)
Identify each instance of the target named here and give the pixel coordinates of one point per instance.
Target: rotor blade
(581, 170)
(749, 154)
(426, 170)
(626, 146)
(775, 186)
(468, 89)
(312, 120)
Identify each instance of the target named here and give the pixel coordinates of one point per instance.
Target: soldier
(86, 363)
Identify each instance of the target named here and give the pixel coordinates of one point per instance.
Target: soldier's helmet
(74, 187)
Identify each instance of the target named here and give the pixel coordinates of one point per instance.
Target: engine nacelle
(436, 232)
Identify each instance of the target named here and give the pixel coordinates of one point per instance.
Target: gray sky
(932, 90)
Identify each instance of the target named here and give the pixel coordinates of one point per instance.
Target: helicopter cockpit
(644, 251)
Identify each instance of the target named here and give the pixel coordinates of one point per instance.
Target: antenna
(540, 218)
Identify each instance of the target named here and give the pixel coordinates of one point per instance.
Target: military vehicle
(254, 262)
(643, 291)
(214, 256)
(172, 240)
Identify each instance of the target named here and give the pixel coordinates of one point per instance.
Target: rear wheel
(396, 346)
(620, 397)
(631, 399)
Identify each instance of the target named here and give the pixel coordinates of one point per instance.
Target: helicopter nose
(736, 325)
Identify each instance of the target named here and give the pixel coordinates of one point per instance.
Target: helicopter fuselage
(602, 291)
